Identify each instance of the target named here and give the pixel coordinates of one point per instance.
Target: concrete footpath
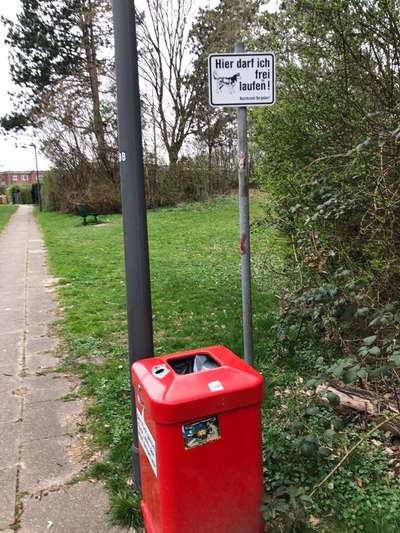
(40, 447)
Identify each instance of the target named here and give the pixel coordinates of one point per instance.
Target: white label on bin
(147, 441)
(215, 386)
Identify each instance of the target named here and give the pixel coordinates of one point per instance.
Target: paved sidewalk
(39, 442)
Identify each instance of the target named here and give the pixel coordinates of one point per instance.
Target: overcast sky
(13, 154)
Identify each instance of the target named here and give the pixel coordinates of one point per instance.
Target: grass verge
(5, 214)
(195, 270)
(197, 302)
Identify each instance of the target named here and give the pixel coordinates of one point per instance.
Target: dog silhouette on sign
(226, 81)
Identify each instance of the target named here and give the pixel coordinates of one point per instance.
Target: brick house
(13, 176)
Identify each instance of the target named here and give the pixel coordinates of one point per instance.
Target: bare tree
(165, 66)
(90, 44)
(217, 30)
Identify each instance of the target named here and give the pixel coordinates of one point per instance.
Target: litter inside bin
(193, 364)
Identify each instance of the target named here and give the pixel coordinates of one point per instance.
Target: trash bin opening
(192, 364)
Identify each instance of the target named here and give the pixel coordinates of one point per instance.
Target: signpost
(242, 80)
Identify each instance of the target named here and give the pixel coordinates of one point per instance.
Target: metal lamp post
(39, 192)
(140, 328)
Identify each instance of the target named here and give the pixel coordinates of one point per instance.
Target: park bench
(84, 211)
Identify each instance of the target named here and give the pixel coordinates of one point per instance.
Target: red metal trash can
(199, 425)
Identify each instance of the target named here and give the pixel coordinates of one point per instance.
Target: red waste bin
(199, 427)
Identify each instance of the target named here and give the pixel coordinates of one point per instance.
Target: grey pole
(140, 328)
(244, 227)
(39, 192)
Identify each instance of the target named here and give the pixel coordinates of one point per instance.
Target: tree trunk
(91, 64)
(210, 150)
(173, 155)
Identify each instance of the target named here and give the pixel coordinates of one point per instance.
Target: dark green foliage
(50, 195)
(14, 122)
(328, 155)
(48, 45)
(302, 444)
(190, 180)
(45, 49)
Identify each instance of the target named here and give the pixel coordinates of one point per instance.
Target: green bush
(63, 188)
(189, 180)
(333, 183)
(25, 190)
(165, 186)
(50, 198)
(328, 156)
(303, 443)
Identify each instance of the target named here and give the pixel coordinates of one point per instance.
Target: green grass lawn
(195, 271)
(196, 302)
(5, 213)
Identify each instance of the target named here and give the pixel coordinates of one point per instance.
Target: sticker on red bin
(215, 386)
(201, 432)
(147, 441)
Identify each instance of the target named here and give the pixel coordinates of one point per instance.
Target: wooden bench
(84, 211)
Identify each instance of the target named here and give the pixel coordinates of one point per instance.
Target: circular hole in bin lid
(159, 371)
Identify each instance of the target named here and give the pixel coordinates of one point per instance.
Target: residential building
(13, 176)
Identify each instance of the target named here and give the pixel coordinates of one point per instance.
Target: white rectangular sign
(241, 80)
(147, 441)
